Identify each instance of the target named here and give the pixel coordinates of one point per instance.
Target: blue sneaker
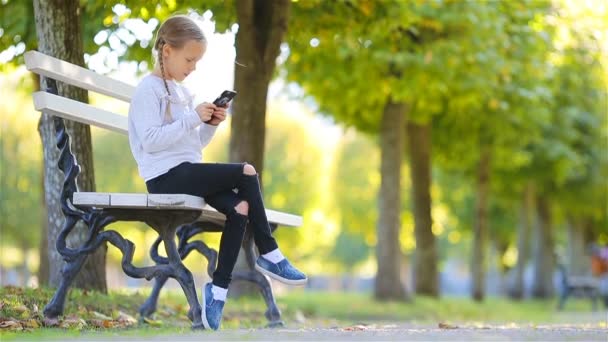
(212, 309)
(282, 271)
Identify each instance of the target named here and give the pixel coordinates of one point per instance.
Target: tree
(58, 27)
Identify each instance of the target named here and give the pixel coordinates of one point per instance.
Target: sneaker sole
(204, 312)
(279, 278)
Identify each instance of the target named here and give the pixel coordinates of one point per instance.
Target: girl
(167, 134)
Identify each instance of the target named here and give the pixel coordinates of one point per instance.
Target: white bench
(191, 212)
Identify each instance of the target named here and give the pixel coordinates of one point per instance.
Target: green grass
(299, 308)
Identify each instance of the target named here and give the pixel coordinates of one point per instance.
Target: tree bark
(262, 26)
(526, 222)
(59, 31)
(426, 278)
(480, 229)
(388, 285)
(544, 258)
(43, 250)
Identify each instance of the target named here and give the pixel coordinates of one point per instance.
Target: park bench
(168, 214)
(579, 286)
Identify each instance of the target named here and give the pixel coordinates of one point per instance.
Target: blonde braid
(162, 67)
(168, 115)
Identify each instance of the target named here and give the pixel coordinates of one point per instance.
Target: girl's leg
(235, 209)
(249, 190)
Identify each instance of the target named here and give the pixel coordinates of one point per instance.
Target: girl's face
(180, 62)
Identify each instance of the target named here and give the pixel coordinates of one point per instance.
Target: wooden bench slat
(175, 201)
(78, 76)
(80, 112)
(170, 201)
(118, 200)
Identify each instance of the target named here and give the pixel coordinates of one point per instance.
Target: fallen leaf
(50, 322)
(126, 318)
(99, 315)
(153, 322)
(73, 323)
(21, 308)
(447, 326)
(11, 325)
(31, 323)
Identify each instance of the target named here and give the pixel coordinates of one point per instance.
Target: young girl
(167, 133)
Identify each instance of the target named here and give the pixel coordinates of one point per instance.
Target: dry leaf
(11, 325)
(21, 308)
(126, 318)
(31, 323)
(102, 323)
(99, 315)
(50, 322)
(447, 326)
(74, 323)
(153, 322)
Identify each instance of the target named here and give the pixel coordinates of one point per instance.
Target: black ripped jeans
(215, 182)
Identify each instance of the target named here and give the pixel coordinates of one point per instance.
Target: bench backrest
(83, 78)
(68, 73)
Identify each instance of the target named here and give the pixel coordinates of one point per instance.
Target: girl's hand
(219, 115)
(205, 111)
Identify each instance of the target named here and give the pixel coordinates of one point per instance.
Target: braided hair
(175, 31)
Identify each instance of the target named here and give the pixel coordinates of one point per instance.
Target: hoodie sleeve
(206, 133)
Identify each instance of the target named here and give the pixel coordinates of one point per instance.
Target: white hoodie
(161, 139)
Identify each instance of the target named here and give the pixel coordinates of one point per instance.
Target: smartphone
(222, 100)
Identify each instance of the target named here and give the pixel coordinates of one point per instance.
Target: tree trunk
(43, 250)
(544, 258)
(480, 229)
(59, 30)
(43, 264)
(527, 212)
(578, 262)
(388, 252)
(426, 278)
(262, 26)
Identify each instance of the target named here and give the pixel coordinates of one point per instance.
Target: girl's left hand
(219, 115)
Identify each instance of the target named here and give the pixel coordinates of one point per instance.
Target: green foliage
(20, 169)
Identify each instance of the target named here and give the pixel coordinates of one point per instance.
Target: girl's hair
(176, 32)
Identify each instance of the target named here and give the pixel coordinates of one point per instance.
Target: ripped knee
(242, 208)
(248, 169)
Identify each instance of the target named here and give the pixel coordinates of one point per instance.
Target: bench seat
(169, 201)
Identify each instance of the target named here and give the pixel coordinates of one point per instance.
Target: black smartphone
(222, 100)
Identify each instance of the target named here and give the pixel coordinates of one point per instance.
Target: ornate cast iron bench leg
(184, 233)
(273, 314)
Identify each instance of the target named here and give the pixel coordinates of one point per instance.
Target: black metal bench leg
(149, 306)
(185, 247)
(183, 277)
(69, 271)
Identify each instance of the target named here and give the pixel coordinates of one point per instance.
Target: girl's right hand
(205, 111)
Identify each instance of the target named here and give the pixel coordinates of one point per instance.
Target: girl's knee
(249, 169)
(242, 208)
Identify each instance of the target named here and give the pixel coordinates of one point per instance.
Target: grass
(94, 313)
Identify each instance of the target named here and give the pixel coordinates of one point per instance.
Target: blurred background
(437, 148)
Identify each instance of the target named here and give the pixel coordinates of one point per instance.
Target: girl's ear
(166, 50)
